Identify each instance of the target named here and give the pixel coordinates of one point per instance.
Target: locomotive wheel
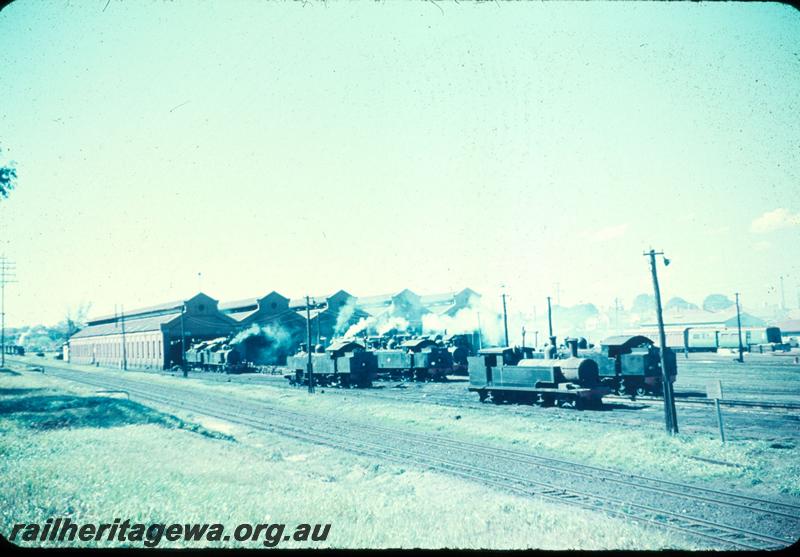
(640, 391)
(482, 396)
(568, 403)
(548, 401)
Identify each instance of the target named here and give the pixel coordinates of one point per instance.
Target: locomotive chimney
(552, 350)
(573, 347)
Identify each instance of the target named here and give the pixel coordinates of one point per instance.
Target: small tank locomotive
(344, 363)
(215, 355)
(422, 359)
(631, 365)
(516, 374)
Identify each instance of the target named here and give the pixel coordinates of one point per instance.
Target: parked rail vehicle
(14, 350)
(421, 359)
(711, 339)
(215, 355)
(631, 365)
(344, 363)
(508, 374)
(461, 346)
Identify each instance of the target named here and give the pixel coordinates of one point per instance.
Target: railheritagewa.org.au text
(152, 534)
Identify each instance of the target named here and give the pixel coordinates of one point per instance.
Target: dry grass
(148, 468)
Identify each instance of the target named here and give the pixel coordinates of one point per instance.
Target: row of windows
(112, 348)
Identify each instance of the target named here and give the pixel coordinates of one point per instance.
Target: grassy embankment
(766, 468)
(66, 452)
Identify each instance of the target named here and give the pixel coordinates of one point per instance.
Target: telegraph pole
(7, 276)
(480, 333)
(183, 341)
(310, 366)
(124, 348)
(670, 417)
(523, 336)
(739, 325)
(505, 317)
(783, 297)
(551, 351)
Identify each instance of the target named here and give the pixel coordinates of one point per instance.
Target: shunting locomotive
(344, 363)
(517, 374)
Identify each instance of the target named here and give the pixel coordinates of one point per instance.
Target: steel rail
(695, 526)
(663, 518)
(562, 465)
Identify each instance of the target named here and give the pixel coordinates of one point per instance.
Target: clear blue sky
(373, 147)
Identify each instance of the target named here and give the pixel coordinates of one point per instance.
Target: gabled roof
(241, 315)
(438, 299)
(238, 305)
(140, 325)
(160, 309)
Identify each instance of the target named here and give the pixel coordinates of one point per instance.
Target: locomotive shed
(719, 518)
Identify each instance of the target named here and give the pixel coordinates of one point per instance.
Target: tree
(643, 303)
(76, 318)
(679, 303)
(717, 302)
(8, 178)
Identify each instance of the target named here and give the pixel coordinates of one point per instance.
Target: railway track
(706, 401)
(440, 454)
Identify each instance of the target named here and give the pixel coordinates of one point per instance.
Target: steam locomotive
(521, 375)
(422, 359)
(217, 355)
(626, 365)
(630, 365)
(344, 363)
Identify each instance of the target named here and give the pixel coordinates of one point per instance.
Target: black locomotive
(522, 375)
(344, 363)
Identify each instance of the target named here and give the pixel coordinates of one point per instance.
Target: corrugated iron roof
(241, 315)
(160, 308)
(168, 307)
(238, 305)
(380, 299)
(437, 299)
(295, 303)
(139, 325)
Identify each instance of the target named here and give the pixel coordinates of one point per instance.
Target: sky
(241, 147)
